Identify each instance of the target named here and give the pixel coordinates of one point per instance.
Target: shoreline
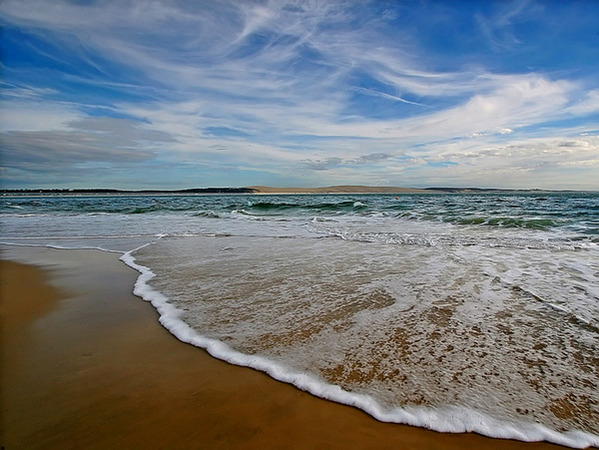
(90, 365)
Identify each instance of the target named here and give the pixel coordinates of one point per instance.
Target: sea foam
(451, 419)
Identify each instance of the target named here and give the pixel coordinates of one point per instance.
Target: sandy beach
(85, 364)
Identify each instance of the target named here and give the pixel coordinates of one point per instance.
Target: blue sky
(178, 94)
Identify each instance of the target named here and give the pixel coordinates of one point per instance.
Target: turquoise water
(450, 311)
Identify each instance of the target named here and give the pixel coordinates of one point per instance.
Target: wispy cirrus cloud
(297, 92)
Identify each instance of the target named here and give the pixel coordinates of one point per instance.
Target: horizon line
(260, 189)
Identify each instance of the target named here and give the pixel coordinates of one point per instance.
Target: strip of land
(345, 189)
(85, 364)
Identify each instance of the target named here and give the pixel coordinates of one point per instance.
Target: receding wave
(451, 339)
(509, 222)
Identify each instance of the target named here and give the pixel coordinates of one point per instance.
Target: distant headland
(264, 190)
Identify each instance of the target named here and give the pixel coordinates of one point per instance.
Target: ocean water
(455, 312)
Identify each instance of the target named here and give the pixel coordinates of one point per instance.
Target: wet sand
(85, 364)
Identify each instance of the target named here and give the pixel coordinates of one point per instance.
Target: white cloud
(26, 115)
(587, 104)
(515, 102)
(498, 27)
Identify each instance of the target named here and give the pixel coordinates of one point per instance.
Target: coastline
(270, 190)
(90, 365)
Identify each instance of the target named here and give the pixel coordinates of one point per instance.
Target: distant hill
(126, 192)
(242, 190)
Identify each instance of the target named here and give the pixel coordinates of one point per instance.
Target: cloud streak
(297, 93)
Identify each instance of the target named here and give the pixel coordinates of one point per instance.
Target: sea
(451, 311)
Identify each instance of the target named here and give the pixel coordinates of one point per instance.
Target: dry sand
(85, 364)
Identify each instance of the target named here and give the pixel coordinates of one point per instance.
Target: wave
(324, 207)
(509, 222)
(208, 214)
(61, 247)
(433, 237)
(491, 220)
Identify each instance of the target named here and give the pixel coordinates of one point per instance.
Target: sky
(169, 94)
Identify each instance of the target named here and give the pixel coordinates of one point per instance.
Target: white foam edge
(60, 247)
(448, 419)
